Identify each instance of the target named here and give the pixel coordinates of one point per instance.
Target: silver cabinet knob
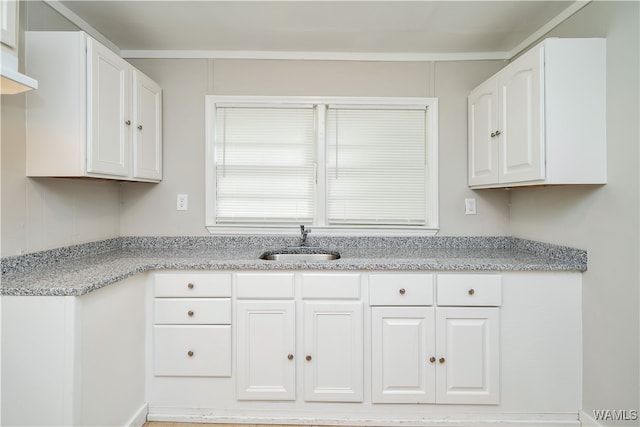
(432, 359)
(139, 127)
(128, 123)
(190, 285)
(290, 357)
(190, 313)
(190, 353)
(471, 291)
(402, 291)
(308, 358)
(441, 360)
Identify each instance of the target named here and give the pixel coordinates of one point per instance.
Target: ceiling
(423, 27)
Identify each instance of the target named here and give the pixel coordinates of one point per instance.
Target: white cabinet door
(108, 102)
(265, 346)
(522, 101)
(333, 351)
(483, 141)
(147, 128)
(468, 347)
(403, 347)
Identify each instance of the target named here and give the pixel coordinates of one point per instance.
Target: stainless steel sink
(301, 254)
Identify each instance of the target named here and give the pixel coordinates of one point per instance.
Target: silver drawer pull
(471, 291)
(190, 353)
(191, 286)
(402, 291)
(190, 313)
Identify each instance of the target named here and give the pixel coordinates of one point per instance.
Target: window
(340, 165)
(264, 161)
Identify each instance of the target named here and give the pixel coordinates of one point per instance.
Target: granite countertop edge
(77, 271)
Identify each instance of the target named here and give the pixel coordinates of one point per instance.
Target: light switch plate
(470, 206)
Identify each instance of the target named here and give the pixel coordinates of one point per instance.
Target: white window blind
(376, 166)
(265, 170)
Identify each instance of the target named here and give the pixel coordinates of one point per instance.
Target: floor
(171, 424)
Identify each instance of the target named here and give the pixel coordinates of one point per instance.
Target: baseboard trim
(587, 420)
(466, 420)
(139, 418)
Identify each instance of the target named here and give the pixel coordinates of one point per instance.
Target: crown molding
(81, 23)
(319, 56)
(553, 23)
(314, 56)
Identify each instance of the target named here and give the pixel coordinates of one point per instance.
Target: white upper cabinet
(108, 109)
(95, 115)
(483, 120)
(541, 119)
(147, 134)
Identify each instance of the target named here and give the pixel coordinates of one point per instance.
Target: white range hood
(11, 81)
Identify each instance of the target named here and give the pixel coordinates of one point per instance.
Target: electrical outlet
(182, 203)
(470, 206)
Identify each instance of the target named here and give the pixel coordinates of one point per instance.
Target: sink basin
(301, 254)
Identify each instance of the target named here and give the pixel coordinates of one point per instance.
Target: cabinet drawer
(192, 285)
(192, 311)
(196, 351)
(334, 286)
(469, 289)
(401, 289)
(265, 286)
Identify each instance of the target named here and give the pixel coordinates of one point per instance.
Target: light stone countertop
(80, 269)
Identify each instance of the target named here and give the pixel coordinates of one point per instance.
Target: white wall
(602, 219)
(150, 210)
(40, 214)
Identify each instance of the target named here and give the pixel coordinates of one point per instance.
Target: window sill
(325, 231)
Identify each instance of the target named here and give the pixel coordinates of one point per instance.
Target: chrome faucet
(303, 235)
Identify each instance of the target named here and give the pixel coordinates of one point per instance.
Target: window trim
(320, 228)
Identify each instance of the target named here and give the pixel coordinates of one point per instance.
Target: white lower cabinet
(435, 354)
(265, 350)
(194, 351)
(364, 348)
(333, 351)
(442, 355)
(467, 353)
(75, 360)
(402, 341)
(192, 325)
(331, 336)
